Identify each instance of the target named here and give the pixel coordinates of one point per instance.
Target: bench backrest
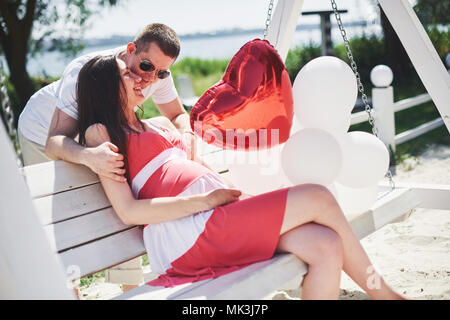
(78, 219)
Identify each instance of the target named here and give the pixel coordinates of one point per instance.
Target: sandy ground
(413, 255)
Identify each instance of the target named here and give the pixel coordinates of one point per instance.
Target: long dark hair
(101, 98)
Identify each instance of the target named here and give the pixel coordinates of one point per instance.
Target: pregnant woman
(196, 226)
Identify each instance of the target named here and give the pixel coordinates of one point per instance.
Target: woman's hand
(220, 197)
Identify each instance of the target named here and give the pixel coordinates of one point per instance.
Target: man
(48, 124)
(48, 133)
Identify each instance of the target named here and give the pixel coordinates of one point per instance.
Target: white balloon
(256, 172)
(324, 93)
(311, 156)
(355, 200)
(365, 159)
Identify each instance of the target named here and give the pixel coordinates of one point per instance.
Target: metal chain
(269, 17)
(8, 115)
(358, 79)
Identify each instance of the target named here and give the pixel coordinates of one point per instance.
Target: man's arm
(189, 138)
(103, 159)
(175, 112)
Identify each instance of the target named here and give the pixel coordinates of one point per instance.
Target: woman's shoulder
(162, 122)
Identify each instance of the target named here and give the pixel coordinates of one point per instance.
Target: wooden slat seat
(256, 281)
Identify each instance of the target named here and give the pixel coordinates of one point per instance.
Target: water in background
(220, 47)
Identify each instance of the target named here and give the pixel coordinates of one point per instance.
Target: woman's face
(132, 85)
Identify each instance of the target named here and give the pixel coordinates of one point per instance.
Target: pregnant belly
(176, 176)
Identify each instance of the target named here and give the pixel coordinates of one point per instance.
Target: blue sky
(206, 15)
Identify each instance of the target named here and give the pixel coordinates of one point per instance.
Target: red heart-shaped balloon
(252, 106)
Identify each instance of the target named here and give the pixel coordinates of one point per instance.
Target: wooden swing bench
(84, 231)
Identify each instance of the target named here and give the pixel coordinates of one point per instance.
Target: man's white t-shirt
(34, 121)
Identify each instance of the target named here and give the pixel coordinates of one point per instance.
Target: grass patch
(150, 110)
(145, 260)
(201, 84)
(203, 74)
(88, 280)
(418, 145)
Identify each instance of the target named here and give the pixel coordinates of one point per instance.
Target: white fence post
(383, 104)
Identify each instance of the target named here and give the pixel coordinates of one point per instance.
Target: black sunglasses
(147, 66)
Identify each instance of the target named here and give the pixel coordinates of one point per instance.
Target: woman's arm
(156, 210)
(149, 211)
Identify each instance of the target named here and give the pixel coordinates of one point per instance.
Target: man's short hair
(164, 36)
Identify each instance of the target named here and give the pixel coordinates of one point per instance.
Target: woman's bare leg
(314, 203)
(321, 248)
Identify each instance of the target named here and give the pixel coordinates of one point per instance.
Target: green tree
(26, 26)
(396, 56)
(433, 12)
(430, 14)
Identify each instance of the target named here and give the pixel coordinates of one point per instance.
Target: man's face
(152, 54)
